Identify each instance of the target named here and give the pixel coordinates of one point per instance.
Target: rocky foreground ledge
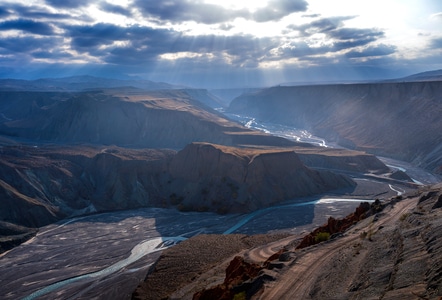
(390, 250)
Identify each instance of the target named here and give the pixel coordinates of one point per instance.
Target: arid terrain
(392, 254)
(178, 192)
(373, 117)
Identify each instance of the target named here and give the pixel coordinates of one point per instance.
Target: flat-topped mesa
(208, 177)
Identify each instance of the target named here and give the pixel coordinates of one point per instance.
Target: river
(95, 255)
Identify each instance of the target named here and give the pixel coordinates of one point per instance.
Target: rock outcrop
(336, 226)
(40, 185)
(43, 184)
(400, 120)
(238, 272)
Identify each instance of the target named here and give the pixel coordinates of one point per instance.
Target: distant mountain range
(435, 75)
(80, 83)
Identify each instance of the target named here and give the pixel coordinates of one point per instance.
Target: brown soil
(393, 254)
(181, 269)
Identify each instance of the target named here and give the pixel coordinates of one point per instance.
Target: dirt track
(301, 279)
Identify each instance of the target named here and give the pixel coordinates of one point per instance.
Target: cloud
(354, 34)
(337, 38)
(86, 36)
(177, 11)
(346, 38)
(436, 16)
(27, 25)
(115, 9)
(322, 25)
(277, 9)
(51, 55)
(225, 26)
(4, 12)
(32, 12)
(378, 50)
(67, 3)
(28, 44)
(298, 49)
(436, 43)
(140, 44)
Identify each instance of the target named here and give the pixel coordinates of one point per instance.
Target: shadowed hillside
(131, 118)
(40, 185)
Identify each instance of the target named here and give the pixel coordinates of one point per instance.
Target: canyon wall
(147, 119)
(40, 185)
(399, 120)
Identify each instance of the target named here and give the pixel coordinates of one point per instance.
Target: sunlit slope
(401, 120)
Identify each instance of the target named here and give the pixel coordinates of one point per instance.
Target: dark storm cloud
(67, 3)
(115, 9)
(177, 11)
(378, 50)
(27, 25)
(277, 9)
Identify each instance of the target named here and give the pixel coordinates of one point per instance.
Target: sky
(219, 44)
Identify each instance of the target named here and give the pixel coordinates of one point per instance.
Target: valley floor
(394, 254)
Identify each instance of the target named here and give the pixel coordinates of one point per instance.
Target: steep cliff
(40, 185)
(44, 184)
(400, 120)
(227, 179)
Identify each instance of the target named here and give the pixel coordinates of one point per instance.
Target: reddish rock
(339, 225)
(238, 272)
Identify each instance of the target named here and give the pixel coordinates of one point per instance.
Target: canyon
(167, 167)
(399, 120)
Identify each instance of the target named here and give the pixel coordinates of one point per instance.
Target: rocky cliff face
(40, 185)
(400, 120)
(226, 179)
